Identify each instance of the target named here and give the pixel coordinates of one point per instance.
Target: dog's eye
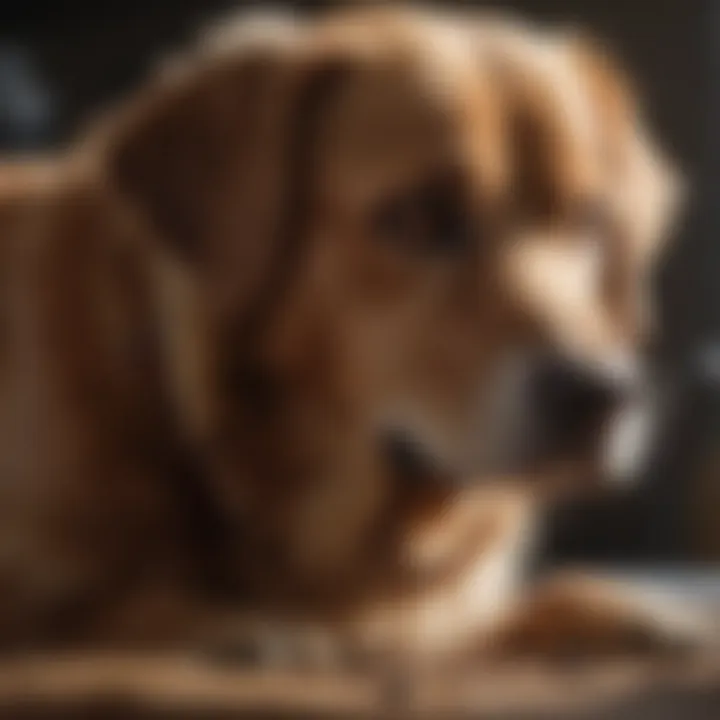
(430, 220)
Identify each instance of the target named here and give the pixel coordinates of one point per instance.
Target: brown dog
(313, 325)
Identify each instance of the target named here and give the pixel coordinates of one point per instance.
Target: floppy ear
(213, 159)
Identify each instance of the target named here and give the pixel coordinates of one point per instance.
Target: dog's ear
(214, 162)
(213, 157)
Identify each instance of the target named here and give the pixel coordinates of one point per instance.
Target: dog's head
(436, 231)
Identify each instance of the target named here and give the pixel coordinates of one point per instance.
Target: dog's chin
(613, 459)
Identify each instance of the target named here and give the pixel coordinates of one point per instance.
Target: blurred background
(60, 62)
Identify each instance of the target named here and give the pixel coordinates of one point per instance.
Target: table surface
(165, 687)
(150, 687)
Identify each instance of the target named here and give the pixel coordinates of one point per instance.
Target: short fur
(207, 327)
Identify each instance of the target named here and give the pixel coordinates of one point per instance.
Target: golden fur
(208, 320)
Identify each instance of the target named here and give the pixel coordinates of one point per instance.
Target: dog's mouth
(411, 460)
(414, 464)
(549, 421)
(601, 450)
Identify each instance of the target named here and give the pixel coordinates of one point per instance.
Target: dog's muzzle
(603, 412)
(542, 413)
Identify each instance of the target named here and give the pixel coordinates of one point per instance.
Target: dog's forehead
(391, 128)
(445, 94)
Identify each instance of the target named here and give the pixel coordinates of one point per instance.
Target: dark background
(60, 62)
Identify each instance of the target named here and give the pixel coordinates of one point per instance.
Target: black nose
(573, 401)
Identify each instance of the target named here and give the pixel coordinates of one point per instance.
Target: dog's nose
(574, 400)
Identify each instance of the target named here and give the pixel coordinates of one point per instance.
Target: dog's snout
(574, 400)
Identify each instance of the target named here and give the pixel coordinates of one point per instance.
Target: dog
(310, 329)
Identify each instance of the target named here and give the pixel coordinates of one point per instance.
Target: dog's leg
(574, 615)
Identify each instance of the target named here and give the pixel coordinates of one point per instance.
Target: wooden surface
(180, 687)
(177, 687)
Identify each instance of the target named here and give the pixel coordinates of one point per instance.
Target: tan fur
(200, 286)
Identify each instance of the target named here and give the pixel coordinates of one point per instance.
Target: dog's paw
(576, 617)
